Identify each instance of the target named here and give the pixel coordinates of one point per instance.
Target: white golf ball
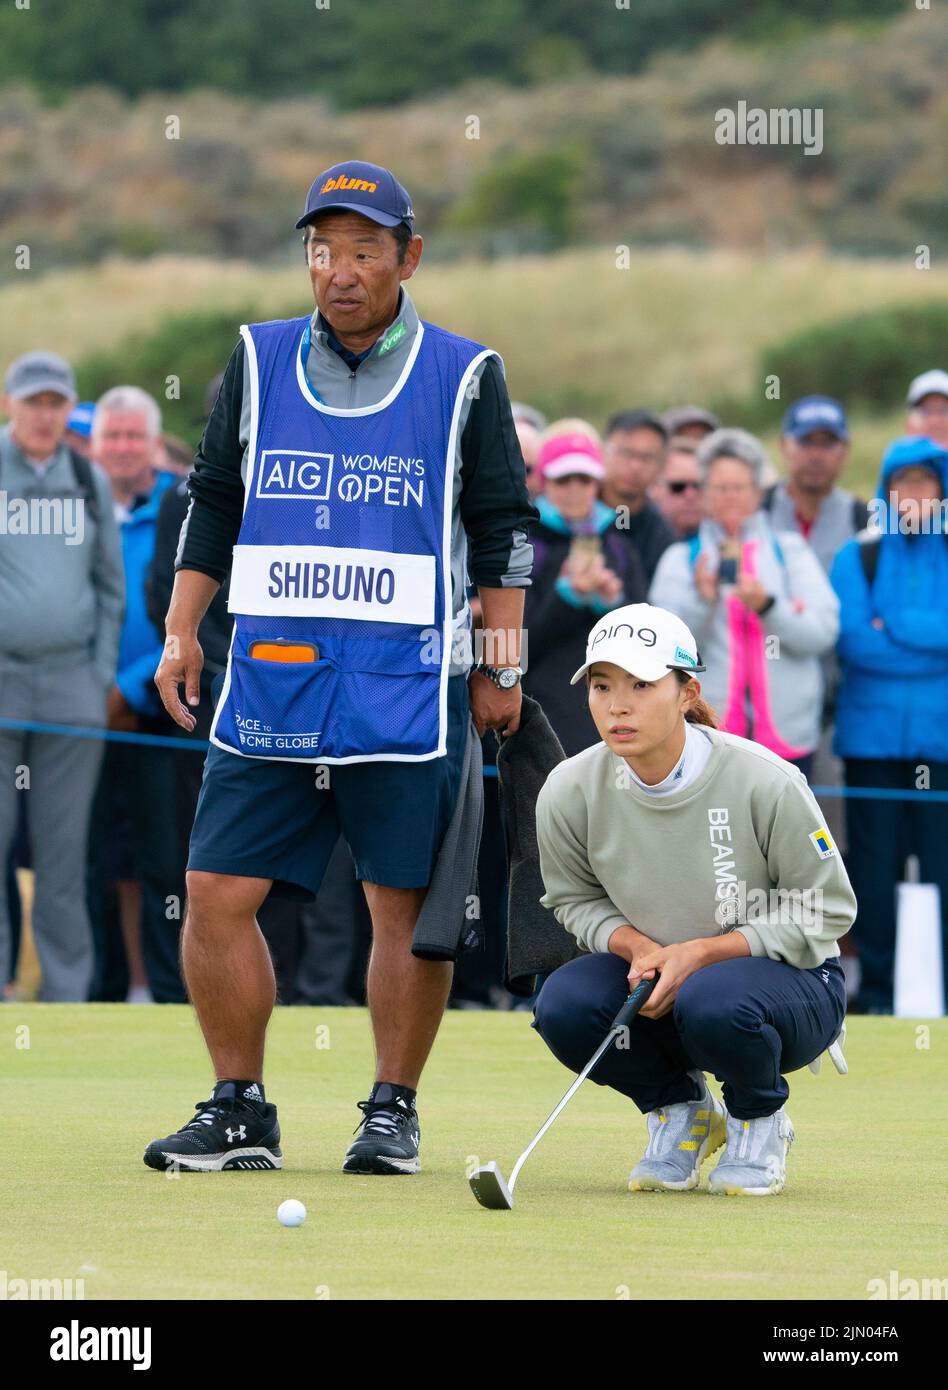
(291, 1212)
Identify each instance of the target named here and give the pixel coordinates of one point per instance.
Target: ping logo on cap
(646, 635)
(356, 185)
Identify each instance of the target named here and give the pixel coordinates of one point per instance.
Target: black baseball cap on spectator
(627, 420)
(360, 187)
(679, 417)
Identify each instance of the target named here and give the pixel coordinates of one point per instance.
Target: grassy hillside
(576, 334)
(574, 159)
(375, 52)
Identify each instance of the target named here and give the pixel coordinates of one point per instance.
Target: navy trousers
(748, 1021)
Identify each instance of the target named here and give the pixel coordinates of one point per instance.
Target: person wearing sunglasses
(529, 424)
(678, 493)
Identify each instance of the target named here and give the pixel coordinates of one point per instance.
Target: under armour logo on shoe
(234, 1134)
(253, 1092)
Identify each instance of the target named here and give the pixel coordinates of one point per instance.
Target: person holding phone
(582, 567)
(758, 602)
(674, 849)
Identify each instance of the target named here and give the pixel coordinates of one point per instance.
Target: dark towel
(536, 943)
(448, 922)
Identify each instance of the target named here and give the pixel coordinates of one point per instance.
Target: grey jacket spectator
(61, 595)
(815, 447)
(739, 585)
(841, 516)
(61, 601)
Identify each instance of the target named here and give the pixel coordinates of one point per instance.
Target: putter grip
(634, 1002)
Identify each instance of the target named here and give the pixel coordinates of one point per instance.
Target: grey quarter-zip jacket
(62, 583)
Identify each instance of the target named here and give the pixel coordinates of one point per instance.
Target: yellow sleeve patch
(822, 842)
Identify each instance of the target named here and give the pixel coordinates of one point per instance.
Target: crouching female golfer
(673, 847)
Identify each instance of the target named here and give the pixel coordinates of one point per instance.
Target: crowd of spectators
(822, 619)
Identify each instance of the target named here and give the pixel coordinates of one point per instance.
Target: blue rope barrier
(32, 726)
(200, 745)
(879, 793)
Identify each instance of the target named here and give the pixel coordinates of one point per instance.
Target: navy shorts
(262, 819)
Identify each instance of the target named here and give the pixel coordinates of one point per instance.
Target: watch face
(508, 679)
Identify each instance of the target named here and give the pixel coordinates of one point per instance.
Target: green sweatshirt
(744, 847)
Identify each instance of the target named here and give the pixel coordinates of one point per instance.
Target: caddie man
(357, 463)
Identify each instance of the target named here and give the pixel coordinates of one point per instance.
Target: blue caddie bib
(345, 545)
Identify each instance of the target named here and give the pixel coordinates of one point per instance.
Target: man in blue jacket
(892, 582)
(135, 842)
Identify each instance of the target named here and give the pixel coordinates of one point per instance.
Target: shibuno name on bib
(343, 556)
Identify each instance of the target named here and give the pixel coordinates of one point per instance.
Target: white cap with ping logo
(646, 641)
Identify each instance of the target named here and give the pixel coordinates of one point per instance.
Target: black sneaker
(229, 1131)
(389, 1134)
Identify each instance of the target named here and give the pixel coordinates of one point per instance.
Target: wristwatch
(504, 677)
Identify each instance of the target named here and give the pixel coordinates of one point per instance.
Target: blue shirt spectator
(892, 583)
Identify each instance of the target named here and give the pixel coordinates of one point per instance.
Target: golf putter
(487, 1182)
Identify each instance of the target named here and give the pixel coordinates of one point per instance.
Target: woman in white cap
(675, 848)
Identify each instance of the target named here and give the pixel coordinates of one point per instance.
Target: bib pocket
(279, 709)
(317, 710)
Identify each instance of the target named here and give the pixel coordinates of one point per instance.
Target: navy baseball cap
(812, 413)
(81, 417)
(360, 187)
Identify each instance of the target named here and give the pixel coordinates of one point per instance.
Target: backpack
(82, 472)
(860, 509)
(85, 482)
(869, 559)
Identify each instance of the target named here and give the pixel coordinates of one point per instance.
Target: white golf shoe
(680, 1138)
(754, 1164)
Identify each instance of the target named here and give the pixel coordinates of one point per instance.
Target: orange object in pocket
(280, 649)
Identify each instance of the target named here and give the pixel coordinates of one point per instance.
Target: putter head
(490, 1189)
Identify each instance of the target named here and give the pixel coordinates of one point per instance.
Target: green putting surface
(864, 1196)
